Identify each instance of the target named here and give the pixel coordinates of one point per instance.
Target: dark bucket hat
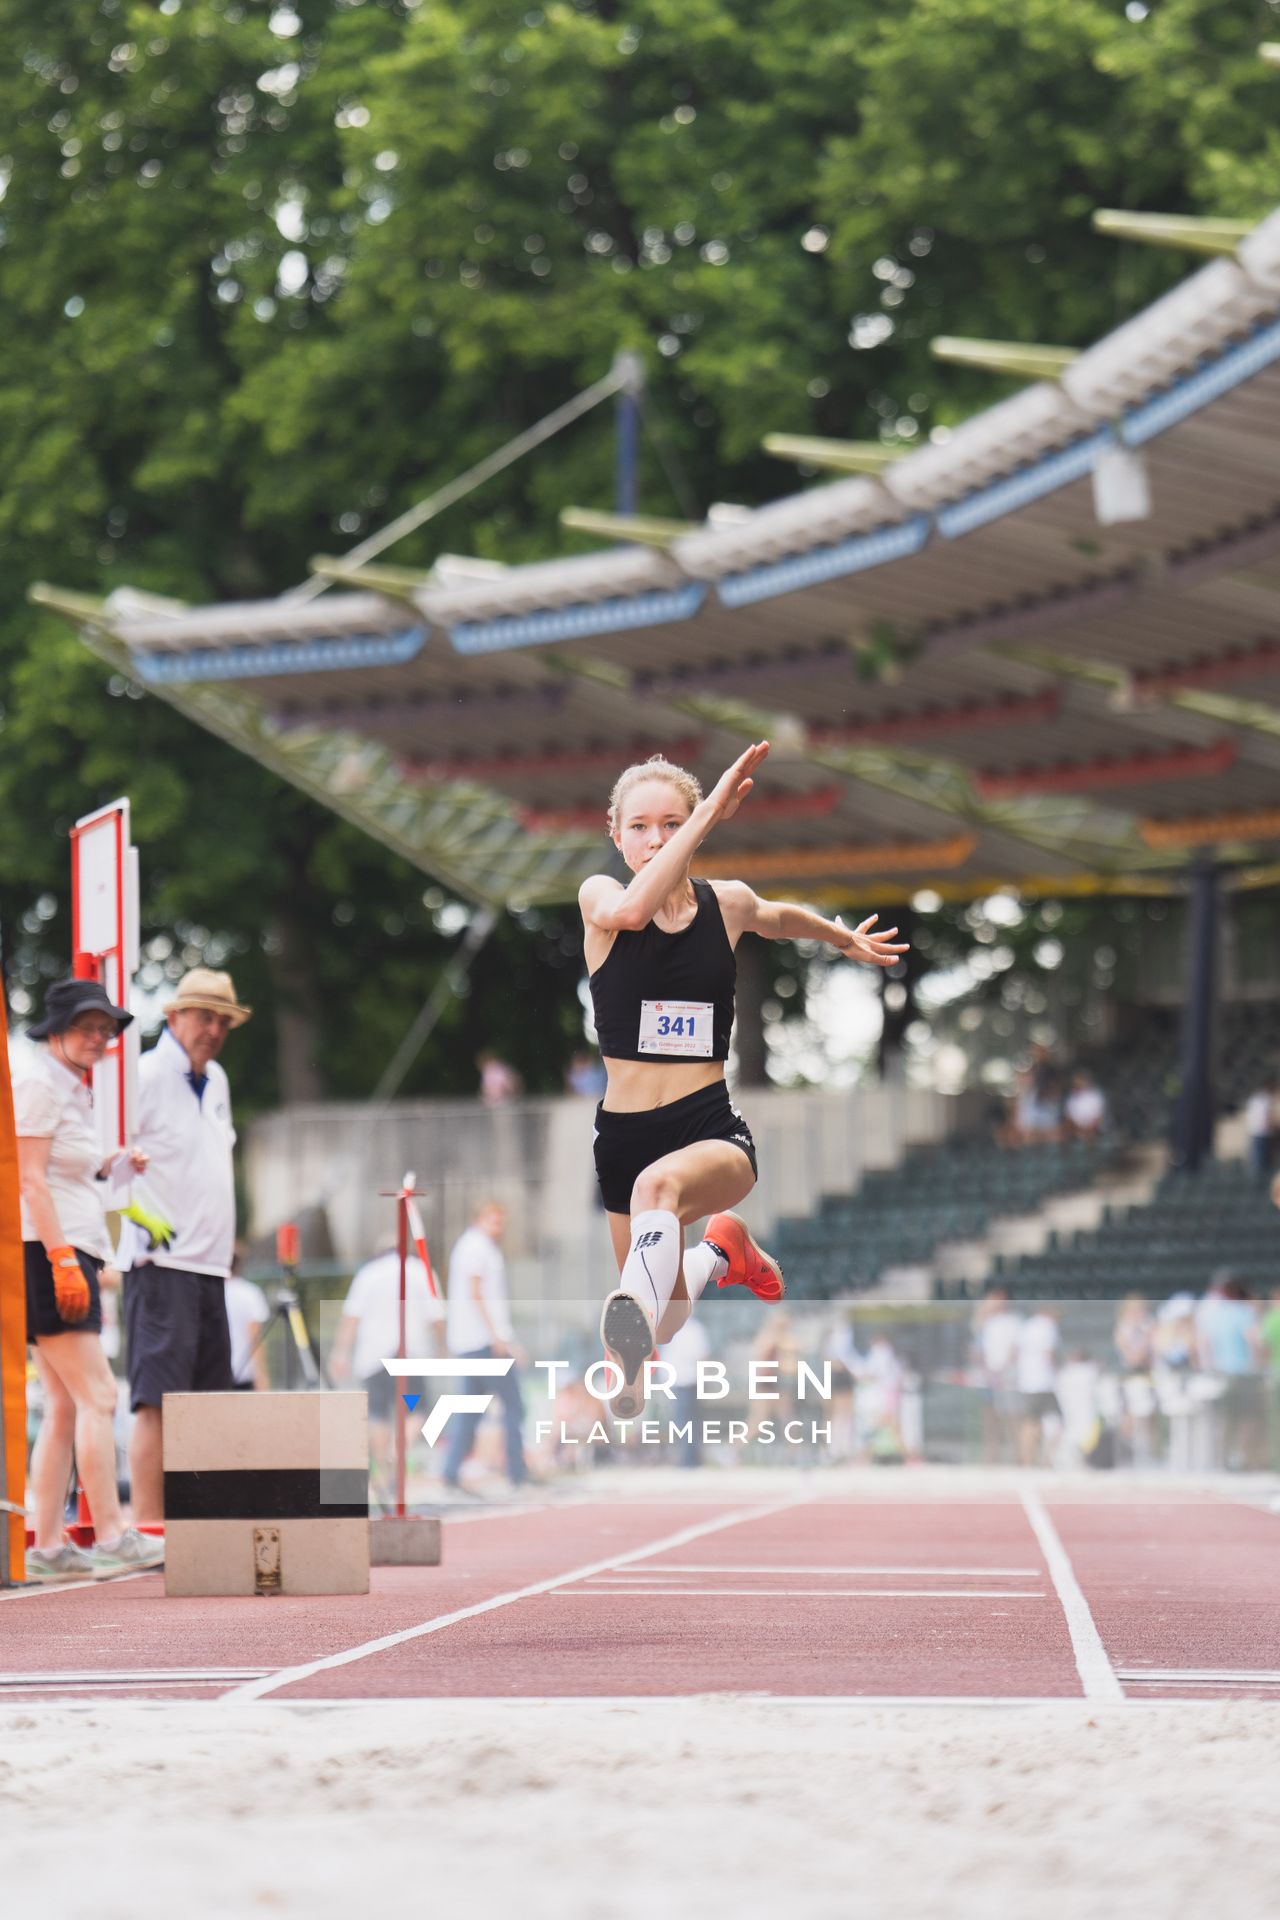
(66, 999)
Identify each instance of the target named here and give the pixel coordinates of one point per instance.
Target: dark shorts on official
(43, 1318)
(627, 1143)
(382, 1390)
(179, 1340)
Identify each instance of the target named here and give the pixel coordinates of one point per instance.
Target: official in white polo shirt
(479, 1328)
(174, 1299)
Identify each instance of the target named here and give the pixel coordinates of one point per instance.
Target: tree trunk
(906, 974)
(298, 1023)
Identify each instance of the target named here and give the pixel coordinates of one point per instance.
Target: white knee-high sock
(703, 1264)
(652, 1267)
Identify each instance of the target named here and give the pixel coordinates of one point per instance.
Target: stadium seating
(952, 1191)
(1194, 1225)
(938, 1193)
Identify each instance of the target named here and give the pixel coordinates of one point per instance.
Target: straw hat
(203, 987)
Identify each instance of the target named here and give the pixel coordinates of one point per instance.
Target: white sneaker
(49, 1566)
(133, 1552)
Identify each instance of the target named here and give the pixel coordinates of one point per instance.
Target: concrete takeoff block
(266, 1493)
(411, 1542)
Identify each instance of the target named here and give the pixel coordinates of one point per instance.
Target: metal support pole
(630, 368)
(1193, 1113)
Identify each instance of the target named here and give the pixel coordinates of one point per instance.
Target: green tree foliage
(270, 272)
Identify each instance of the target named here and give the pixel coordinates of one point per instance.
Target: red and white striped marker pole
(409, 1228)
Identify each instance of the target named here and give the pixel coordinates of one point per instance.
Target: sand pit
(569, 1810)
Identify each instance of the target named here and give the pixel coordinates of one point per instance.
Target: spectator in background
(585, 1075)
(175, 1307)
(878, 1405)
(776, 1344)
(1086, 1108)
(682, 1353)
(1038, 1106)
(1204, 1315)
(1260, 1128)
(995, 1342)
(841, 1349)
(1134, 1339)
(1269, 1334)
(247, 1314)
(65, 1248)
(1174, 1339)
(369, 1333)
(1134, 1335)
(1037, 1374)
(499, 1083)
(1233, 1350)
(479, 1328)
(1077, 1393)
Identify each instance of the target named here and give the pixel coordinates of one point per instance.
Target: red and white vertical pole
(402, 1245)
(409, 1232)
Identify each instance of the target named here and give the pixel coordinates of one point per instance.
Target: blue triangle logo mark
(411, 1400)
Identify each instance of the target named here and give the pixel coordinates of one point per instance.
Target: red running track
(1002, 1597)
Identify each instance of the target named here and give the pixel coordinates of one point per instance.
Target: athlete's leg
(680, 1187)
(620, 1234)
(653, 1297)
(701, 1264)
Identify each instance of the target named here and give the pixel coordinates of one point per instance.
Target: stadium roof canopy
(975, 669)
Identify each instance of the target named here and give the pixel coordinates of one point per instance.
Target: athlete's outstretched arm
(778, 920)
(613, 907)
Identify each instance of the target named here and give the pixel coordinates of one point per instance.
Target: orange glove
(69, 1284)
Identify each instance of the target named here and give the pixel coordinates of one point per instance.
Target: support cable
(417, 516)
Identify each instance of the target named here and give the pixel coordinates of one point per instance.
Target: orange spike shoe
(749, 1265)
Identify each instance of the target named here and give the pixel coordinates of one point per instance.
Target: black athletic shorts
(627, 1143)
(43, 1317)
(179, 1340)
(382, 1391)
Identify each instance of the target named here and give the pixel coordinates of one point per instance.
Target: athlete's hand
(733, 786)
(860, 943)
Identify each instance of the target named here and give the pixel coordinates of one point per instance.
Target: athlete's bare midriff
(641, 1086)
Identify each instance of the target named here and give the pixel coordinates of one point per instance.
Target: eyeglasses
(95, 1029)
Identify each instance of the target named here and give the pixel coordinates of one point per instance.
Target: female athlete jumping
(669, 1146)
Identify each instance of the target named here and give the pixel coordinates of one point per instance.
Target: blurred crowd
(1192, 1382)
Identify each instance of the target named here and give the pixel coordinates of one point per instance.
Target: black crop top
(634, 988)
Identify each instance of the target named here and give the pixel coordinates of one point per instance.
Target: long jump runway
(1021, 1591)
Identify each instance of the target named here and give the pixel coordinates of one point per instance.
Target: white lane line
(630, 1703)
(133, 1676)
(1097, 1676)
(924, 1573)
(288, 1676)
(1199, 1676)
(613, 1592)
(72, 1683)
(75, 1586)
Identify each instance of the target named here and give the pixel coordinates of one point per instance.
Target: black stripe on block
(268, 1493)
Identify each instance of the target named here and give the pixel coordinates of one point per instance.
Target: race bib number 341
(676, 1028)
